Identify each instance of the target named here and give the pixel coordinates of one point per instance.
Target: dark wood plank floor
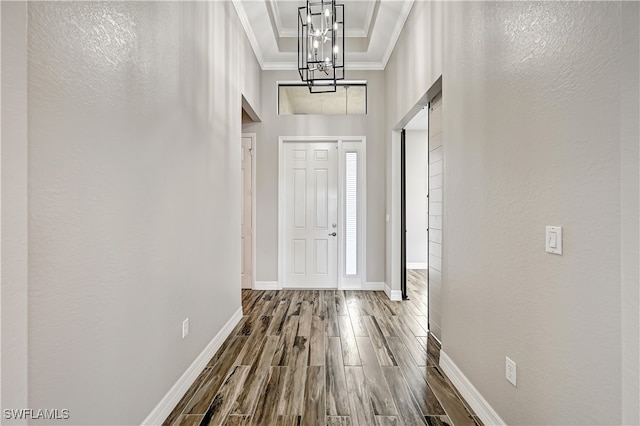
(324, 357)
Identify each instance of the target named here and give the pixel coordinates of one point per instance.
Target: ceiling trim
(293, 32)
(279, 66)
(397, 30)
(244, 20)
(369, 18)
(363, 66)
(276, 17)
(352, 66)
(348, 33)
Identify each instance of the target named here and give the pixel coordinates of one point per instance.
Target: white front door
(247, 212)
(311, 215)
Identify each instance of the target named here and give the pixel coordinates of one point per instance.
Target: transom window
(348, 99)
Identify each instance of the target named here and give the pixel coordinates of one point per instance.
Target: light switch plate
(553, 239)
(185, 328)
(510, 371)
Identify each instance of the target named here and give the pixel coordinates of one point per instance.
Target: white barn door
(311, 215)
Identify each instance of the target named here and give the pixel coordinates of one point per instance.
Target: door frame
(395, 274)
(403, 214)
(344, 283)
(253, 207)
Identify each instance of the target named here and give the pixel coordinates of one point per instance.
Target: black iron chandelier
(321, 45)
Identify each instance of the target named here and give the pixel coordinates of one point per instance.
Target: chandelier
(321, 44)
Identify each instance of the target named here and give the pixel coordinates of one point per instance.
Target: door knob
(333, 234)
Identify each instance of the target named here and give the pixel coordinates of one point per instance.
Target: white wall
(416, 142)
(533, 136)
(274, 125)
(14, 206)
(414, 65)
(134, 121)
(630, 211)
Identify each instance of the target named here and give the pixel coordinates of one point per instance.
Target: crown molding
(397, 30)
(279, 66)
(275, 10)
(364, 66)
(244, 20)
(351, 66)
(293, 32)
(369, 17)
(282, 66)
(358, 33)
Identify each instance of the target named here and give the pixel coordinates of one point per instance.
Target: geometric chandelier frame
(321, 45)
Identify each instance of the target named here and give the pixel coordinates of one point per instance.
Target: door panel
(311, 209)
(299, 198)
(299, 257)
(322, 257)
(322, 192)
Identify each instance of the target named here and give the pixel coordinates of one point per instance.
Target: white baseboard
(374, 286)
(267, 285)
(422, 265)
(393, 295)
(177, 391)
(475, 400)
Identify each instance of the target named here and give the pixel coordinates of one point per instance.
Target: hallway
(326, 357)
(123, 209)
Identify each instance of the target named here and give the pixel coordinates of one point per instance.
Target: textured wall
(14, 206)
(540, 117)
(532, 138)
(419, 47)
(414, 65)
(275, 125)
(630, 212)
(134, 197)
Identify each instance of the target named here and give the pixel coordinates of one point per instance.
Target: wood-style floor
(326, 358)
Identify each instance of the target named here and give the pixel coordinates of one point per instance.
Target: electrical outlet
(185, 328)
(510, 371)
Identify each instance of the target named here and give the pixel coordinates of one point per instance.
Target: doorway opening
(248, 197)
(414, 197)
(419, 211)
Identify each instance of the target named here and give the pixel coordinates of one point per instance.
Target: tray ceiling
(372, 28)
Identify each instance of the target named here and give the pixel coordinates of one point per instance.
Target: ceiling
(372, 28)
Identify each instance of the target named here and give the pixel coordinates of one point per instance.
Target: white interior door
(247, 210)
(311, 215)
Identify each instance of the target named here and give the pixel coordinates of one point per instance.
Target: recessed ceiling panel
(373, 25)
(285, 15)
